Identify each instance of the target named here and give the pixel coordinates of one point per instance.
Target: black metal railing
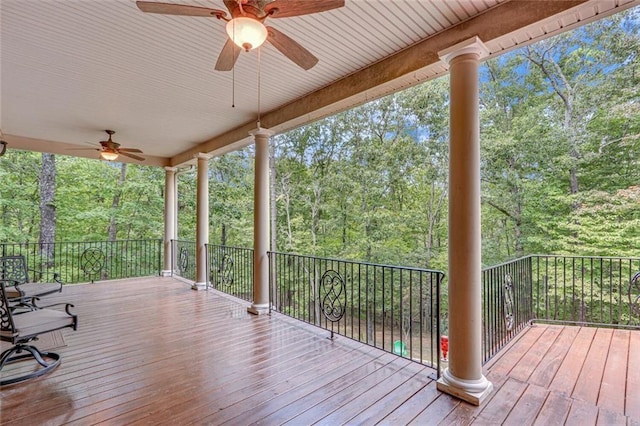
(390, 307)
(184, 259)
(506, 303)
(579, 290)
(586, 290)
(231, 270)
(76, 262)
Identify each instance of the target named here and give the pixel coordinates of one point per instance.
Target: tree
(113, 226)
(47, 206)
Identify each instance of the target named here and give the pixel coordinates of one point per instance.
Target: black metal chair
(20, 289)
(20, 329)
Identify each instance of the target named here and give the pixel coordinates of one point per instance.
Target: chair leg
(15, 354)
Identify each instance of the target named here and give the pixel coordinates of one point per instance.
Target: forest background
(560, 141)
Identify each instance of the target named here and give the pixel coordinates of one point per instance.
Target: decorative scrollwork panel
(92, 261)
(634, 299)
(183, 259)
(333, 296)
(225, 271)
(508, 302)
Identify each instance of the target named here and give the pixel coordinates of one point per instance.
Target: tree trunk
(113, 225)
(223, 234)
(344, 225)
(47, 208)
(286, 196)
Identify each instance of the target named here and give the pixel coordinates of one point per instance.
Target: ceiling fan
(245, 28)
(111, 150)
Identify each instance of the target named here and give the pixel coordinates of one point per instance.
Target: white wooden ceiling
(71, 68)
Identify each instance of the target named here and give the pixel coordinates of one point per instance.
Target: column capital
(202, 156)
(261, 132)
(170, 169)
(472, 45)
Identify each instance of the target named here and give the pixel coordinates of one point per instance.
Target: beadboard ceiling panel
(71, 68)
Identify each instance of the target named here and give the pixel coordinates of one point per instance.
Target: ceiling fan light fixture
(108, 155)
(247, 33)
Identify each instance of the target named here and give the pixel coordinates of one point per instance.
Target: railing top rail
(560, 256)
(80, 242)
(408, 268)
(230, 247)
(571, 256)
(508, 262)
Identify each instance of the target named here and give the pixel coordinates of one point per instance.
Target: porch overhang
(56, 97)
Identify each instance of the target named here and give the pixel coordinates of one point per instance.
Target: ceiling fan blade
(135, 157)
(82, 149)
(231, 5)
(129, 150)
(291, 49)
(287, 8)
(228, 56)
(179, 9)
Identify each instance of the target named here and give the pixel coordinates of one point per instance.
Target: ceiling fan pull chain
(259, 83)
(233, 76)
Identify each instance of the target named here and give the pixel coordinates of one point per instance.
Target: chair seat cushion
(32, 289)
(41, 321)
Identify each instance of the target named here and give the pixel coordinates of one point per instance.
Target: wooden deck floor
(152, 351)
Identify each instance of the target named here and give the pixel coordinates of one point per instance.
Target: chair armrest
(66, 305)
(39, 274)
(10, 280)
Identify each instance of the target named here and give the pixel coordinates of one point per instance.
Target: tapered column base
(166, 273)
(199, 286)
(258, 309)
(472, 391)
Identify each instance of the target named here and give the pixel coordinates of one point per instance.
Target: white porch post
(169, 218)
(260, 303)
(202, 221)
(463, 378)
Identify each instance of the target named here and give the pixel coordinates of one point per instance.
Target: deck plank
(632, 406)
(614, 380)
(404, 413)
(610, 418)
(528, 406)
(436, 411)
(551, 361)
(497, 410)
(582, 413)
(294, 395)
(587, 386)
(554, 410)
(528, 364)
(509, 359)
(282, 407)
(335, 400)
(569, 371)
(378, 400)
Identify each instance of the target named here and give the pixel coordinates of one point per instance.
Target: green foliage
(85, 190)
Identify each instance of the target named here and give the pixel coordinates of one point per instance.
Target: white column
(463, 378)
(260, 303)
(202, 221)
(169, 218)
